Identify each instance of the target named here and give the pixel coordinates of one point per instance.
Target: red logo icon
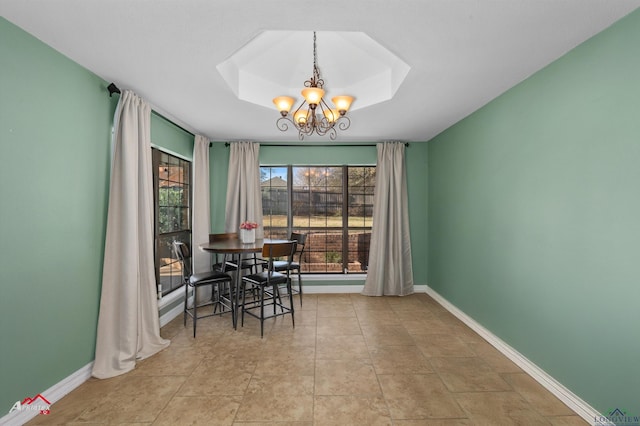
(38, 402)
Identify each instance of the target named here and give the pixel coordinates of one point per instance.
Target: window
(172, 199)
(333, 205)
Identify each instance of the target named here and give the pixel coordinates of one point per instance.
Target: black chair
(267, 285)
(220, 283)
(292, 264)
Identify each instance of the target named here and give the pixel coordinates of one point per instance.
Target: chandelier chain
(315, 80)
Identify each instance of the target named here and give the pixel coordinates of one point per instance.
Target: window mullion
(290, 197)
(345, 219)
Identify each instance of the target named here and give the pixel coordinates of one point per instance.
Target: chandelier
(314, 115)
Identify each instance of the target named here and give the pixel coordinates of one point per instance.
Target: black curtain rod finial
(112, 88)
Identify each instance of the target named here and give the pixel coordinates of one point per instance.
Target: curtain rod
(112, 88)
(320, 145)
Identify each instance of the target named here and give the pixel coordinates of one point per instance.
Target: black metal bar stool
(267, 284)
(216, 279)
(292, 264)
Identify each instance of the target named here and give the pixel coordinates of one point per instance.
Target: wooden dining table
(235, 247)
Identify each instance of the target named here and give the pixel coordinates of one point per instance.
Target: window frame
(345, 228)
(176, 279)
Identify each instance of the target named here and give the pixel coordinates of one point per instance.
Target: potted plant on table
(248, 232)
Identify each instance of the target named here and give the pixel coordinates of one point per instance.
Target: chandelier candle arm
(307, 118)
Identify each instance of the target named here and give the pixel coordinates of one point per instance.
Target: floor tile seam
(444, 383)
(434, 373)
(469, 415)
(373, 347)
(407, 374)
(184, 383)
(166, 404)
(76, 418)
(535, 408)
(371, 360)
(467, 357)
(432, 418)
(420, 346)
(531, 403)
(244, 392)
(315, 367)
(449, 357)
(163, 375)
(360, 395)
(481, 391)
(531, 406)
(555, 416)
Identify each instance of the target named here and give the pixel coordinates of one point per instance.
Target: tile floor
(351, 360)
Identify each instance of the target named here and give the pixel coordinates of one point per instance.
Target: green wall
(55, 122)
(55, 134)
(416, 161)
(534, 207)
(170, 138)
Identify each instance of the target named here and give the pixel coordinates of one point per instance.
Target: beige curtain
(128, 323)
(390, 270)
(244, 199)
(201, 205)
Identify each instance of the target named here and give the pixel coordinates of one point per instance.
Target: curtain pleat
(201, 206)
(244, 198)
(128, 323)
(390, 270)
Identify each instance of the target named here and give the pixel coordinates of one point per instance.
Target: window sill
(333, 277)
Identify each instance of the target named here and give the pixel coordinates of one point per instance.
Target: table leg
(238, 286)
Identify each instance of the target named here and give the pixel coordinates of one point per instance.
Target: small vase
(248, 236)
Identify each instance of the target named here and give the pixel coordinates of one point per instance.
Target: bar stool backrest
(271, 251)
(183, 254)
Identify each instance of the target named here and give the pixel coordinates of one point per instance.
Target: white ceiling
(461, 53)
(351, 62)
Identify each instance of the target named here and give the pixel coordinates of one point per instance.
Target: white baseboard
(168, 316)
(570, 399)
(53, 395)
(334, 289)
